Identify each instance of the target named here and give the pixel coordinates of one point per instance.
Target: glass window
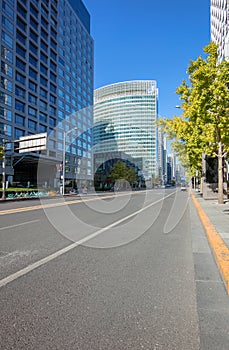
(44, 46)
(33, 35)
(19, 120)
(53, 55)
(42, 128)
(53, 44)
(20, 51)
(44, 34)
(32, 125)
(52, 110)
(44, 58)
(18, 133)
(43, 117)
(52, 99)
(21, 24)
(53, 66)
(7, 25)
(43, 105)
(44, 22)
(52, 88)
(6, 54)
(43, 81)
(33, 61)
(43, 93)
(53, 33)
(5, 99)
(33, 48)
(32, 99)
(32, 86)
(21, 37)
(32, 73)
(44, 11)
(52, 121)
(33, 11)
(19, 106)
(8, 10)
(6, 114)
(6, 84)
(20, 78)
(43, 69)
(52, 77)
(6, 69)
(7, 39)
(19, 92)
(32, 112)
(33, 23)
(20, 64)
(61, 82)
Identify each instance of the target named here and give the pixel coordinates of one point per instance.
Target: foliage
(120, 171)
(203, 126)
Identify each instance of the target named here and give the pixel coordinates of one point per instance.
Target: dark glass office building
(46, 86)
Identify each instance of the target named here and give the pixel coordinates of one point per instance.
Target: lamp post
(64, 150)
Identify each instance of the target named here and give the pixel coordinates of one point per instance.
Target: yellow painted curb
(220, 250)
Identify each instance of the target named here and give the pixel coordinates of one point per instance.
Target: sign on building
(33, 143)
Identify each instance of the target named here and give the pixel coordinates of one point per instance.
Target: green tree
(203, 126)
(131, 175)
(120, 172)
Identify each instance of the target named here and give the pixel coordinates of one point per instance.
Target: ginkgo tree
(203, 126)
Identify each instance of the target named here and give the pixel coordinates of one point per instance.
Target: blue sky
(148, 39)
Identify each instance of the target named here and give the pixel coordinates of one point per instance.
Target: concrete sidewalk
(215, 220)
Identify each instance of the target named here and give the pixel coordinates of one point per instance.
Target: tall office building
(125, 114)
(162, 155)
(220, 26)
(47, 85)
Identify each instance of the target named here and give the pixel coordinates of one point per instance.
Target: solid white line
(22, 223)
(47, 259)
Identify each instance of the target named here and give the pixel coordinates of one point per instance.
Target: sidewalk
(215, 220)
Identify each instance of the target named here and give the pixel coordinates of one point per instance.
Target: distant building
(125, 117)
(162, 154)
(46, 79)
(220, 26)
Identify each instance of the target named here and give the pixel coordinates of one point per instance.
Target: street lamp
(64, 150)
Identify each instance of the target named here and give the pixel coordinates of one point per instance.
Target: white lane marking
(60, 252)
(22, 223)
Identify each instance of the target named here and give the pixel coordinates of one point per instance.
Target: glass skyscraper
(220, 26)
(47, 73)
(125, 114)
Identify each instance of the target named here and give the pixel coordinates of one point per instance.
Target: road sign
(33, 143)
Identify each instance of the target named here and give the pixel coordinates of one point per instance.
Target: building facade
(220, 26)
(125, 114)
(47, 85)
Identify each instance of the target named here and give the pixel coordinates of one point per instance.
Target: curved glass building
(124, 115)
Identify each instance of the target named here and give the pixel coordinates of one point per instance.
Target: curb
(219, 248)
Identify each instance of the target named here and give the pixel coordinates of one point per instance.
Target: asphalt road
(114, 272)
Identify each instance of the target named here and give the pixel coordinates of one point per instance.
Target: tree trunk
(220, 174)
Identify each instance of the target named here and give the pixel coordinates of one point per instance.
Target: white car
(183, 188)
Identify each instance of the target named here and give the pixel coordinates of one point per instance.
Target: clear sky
(148, 39)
